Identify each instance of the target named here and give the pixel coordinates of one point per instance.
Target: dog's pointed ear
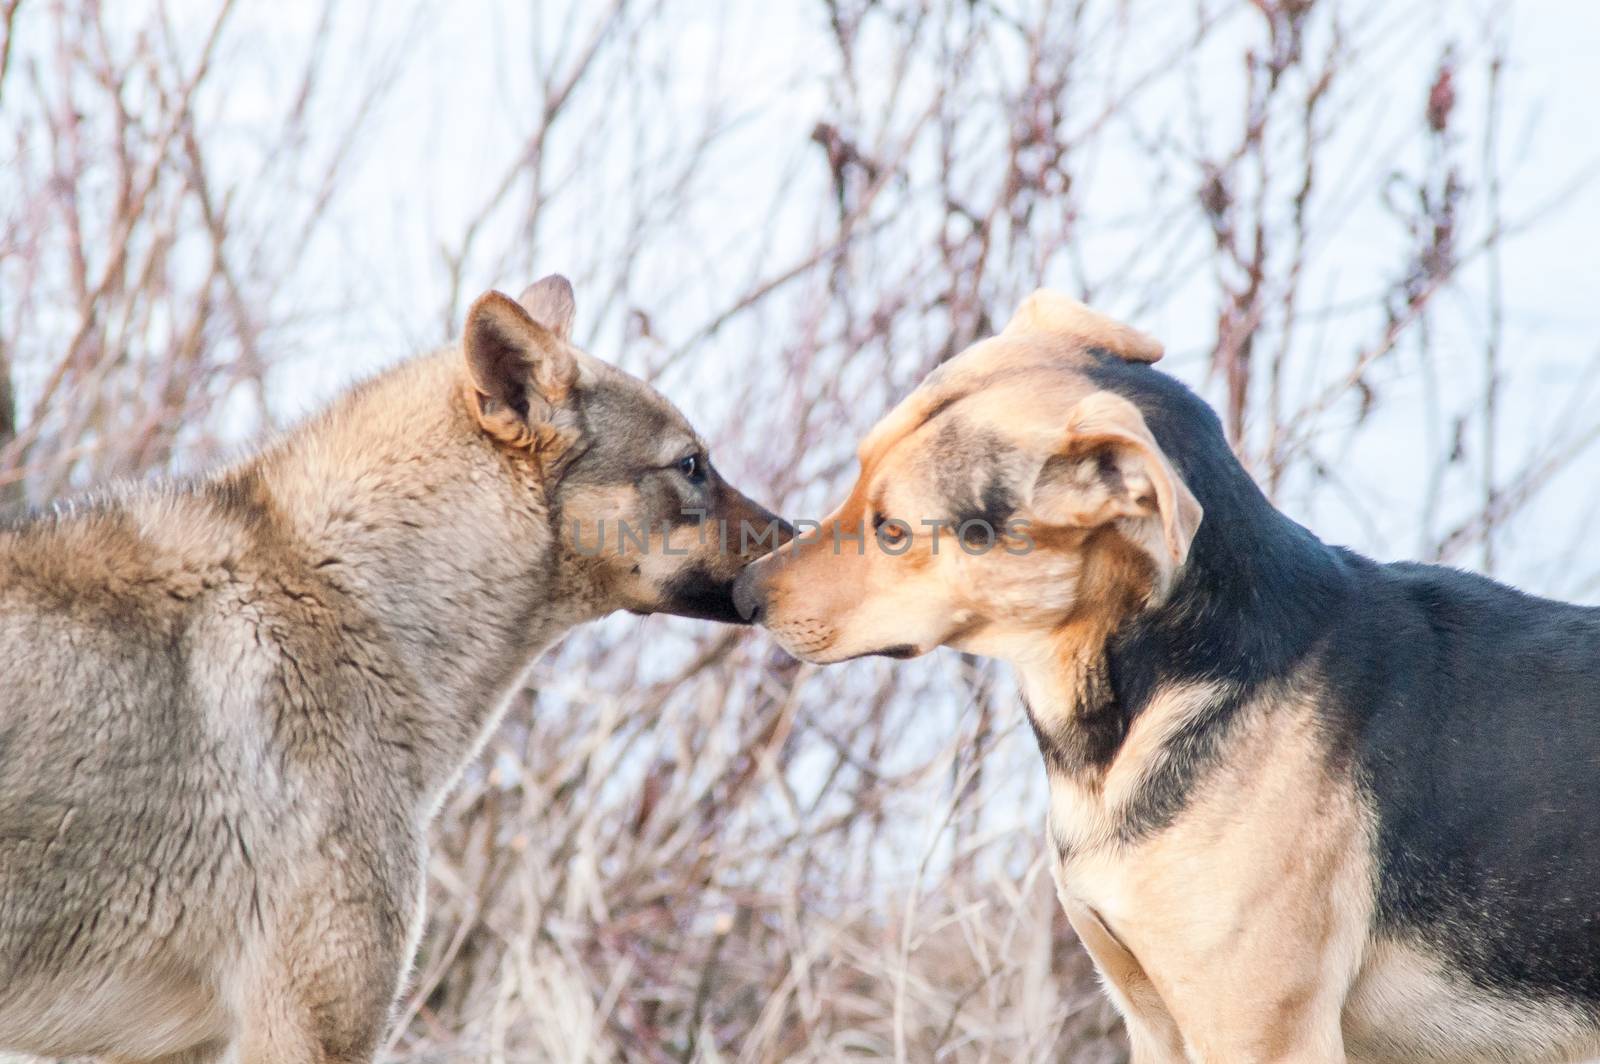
(549, 302)
(1047, 313)
(520, 370)
(1108, 466)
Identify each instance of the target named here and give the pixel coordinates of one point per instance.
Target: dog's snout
(767, 533)
(750, 594)
(751, 530)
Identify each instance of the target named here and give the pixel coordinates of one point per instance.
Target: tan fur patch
(1147, 748)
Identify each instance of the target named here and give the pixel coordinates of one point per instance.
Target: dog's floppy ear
(1108, 466)
(1047, 313)
(520, 370)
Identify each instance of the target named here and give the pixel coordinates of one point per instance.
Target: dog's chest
(1151, 779)
(1090, 865)
(1258, 881)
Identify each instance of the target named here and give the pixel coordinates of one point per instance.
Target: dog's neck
(1067, 692)
(1251, 601)
(400, 506)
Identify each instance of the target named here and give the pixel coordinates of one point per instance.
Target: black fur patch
(1091, 738)
(991, 510)
(695, 592)
(1471, 713)
(970, 475)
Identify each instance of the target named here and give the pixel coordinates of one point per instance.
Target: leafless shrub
(140, 280)
(683, 846)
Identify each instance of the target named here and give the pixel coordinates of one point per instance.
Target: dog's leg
(1152, 1033)
(321, 1009)
(1273, 1002)
(336, 959)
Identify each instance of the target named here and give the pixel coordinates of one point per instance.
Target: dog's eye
(889, 533)
(693, 467)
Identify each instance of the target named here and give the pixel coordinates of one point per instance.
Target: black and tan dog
(1305, 807)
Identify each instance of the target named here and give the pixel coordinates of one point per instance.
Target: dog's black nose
(750, 594)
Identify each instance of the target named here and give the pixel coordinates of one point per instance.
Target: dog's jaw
(809, 639)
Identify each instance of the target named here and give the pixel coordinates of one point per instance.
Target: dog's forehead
(1010, 387)
(626, 395)
(629, 423)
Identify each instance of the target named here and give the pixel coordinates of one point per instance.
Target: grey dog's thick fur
(230, 708)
